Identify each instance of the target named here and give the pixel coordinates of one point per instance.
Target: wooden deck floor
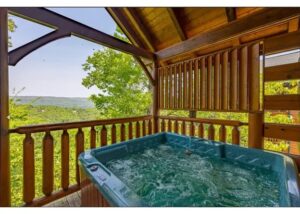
(72, 200)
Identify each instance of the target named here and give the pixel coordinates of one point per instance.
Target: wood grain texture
(48, 167)
(65, 156)
(282, 72)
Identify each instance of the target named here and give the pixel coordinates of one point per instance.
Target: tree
(123, 86)
(11, 28)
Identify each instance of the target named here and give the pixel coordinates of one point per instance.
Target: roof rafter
(139, 25)
(176, 23)
(230, 13)
(57, 21)
(259, 20)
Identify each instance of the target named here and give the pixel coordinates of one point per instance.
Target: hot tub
(167, 169)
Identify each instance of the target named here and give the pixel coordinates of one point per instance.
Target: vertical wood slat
(123, 132)
(217, 91)
(190, 84)
(171, 91)
(209, 82)
(200, 130)
(113, 134)
(234, 80)
(167, 93)
(254, 86)
(65, 156)
(176, 126)
(79, 149)
(203, 84)
(169, 126)
(225, 77)
(222, 133)
(28, 169)
(144, 128)
(211, 132)
(150, 127)
(137, 129)
(175, 87)
(92, 137)
(180, 106)
(185, 87)
(48, 171)
(235, 135)
(196, 85)
(243, 86)
(103, 136)
(130, 135)
(161, 88)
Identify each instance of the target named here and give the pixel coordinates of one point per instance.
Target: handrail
(74, 125)
(207, 121)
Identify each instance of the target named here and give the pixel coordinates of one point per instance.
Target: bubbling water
(167, 176)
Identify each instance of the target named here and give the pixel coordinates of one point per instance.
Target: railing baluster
(48, 164)
(28, 169)
(150, 127)
(113, 134)
(183, 128)
(176, 126)
(65, 160)
(92, 137)
(137, 129)
(162, 128)
(123, 134)
(144, 127)
(103, 136)
(192, 129)
(235, 135)
(130, 130)
(79, 149)
(211, 132)
(222, 133)
(200, 130)
(169, 126)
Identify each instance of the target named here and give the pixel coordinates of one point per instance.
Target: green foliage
(123, 86)
(11, 28)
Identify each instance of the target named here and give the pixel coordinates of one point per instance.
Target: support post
(155, 108)
(255, 130)
(4, 100)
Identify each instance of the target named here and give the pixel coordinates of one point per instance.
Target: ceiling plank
(176, 23)
(140, 26)
(230, 13)
(57, 21)
(256, 21)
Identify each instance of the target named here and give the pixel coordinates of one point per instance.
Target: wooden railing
(108, 132)
(195, 127)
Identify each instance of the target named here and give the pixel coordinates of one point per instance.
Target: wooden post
(255, 130)
(155, 108)
(4, 100)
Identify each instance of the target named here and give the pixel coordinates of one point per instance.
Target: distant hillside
(68, 102)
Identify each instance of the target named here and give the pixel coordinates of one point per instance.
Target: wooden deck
(72, 200)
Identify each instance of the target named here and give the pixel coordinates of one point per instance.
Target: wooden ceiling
(158, 29)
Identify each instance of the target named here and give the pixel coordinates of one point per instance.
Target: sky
(56, 68)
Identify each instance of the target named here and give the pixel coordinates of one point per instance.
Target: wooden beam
(255, 130)
(283, 72)
(282, 131)
(4, 100)
(230, 13)
(256, 21)
(123, 23)
(282, 102)
(19, 53)
(177, 24)
(282, 43)
(57, 21)
(140, 26)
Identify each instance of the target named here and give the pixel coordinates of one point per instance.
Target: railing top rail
(207, 121)
(74, 125)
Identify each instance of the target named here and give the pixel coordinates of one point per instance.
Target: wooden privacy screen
(227, 80)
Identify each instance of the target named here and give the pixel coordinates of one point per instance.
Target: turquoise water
(167, 176)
